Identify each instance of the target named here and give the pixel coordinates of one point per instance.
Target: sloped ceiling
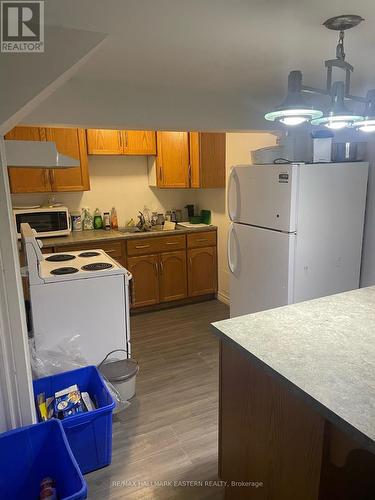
(213, 64)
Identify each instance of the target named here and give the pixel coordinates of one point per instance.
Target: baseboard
(223, 297)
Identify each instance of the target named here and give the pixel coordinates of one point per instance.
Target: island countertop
(323, 349)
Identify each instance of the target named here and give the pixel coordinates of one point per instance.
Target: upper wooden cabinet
(188, 160)
(28, 180)
(120, 142)
(207, 160)
(69, 141)
(104, 142)
(172, 161)
(139, 142)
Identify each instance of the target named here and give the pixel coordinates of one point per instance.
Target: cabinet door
(145, 281)
(104, 142)
(173, 278)
(71, 142)
(139, 142)
(173, 160)
(202, 273)
(207, 159)
(28, 180)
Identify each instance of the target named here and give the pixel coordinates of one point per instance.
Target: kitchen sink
(152, 229)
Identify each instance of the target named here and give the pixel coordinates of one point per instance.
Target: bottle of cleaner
(107, 221)
(98, 221)
(88, 219)
(114, 220)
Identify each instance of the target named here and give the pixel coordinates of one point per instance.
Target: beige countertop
(103, 235)
(323, 349)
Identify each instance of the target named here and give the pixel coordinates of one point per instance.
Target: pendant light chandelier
(294, 110)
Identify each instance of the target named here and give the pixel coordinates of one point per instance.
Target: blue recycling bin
(89, 434)
(30, 454)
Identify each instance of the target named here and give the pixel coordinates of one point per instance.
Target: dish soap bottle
(98, 221)
(114, 221)
(88, 219)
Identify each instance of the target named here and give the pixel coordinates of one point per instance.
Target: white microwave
(47, 221)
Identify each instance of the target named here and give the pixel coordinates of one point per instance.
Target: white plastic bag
(64, 356)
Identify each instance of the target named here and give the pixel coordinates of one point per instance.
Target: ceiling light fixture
(294, 110)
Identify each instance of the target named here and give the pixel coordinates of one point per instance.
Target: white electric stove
(84, 293)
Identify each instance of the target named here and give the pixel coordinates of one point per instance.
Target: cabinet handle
(142, 246)
(120, 139)
(156, 268)
(172, 242)
(201, 239)
(189, 175)
(161, 267)
(110, 251)
(190, 262)
(126, 138)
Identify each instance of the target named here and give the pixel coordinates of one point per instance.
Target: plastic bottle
(98, 221)
(154, 218)
(107, 221)
(114, 220)
(88, 219)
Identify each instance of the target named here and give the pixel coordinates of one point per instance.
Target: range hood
(36, 154)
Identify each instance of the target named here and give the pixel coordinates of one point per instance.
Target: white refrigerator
(296, 232)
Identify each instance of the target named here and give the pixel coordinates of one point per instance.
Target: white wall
(238, 148)
(118, 181)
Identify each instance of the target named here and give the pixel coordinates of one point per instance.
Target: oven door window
(43, 222)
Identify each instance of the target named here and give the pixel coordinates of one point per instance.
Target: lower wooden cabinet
(202, 272)
(145, 283)
(158, 278)
(173, 278)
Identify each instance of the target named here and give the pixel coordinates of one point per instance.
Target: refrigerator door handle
(233, 185)
(229, 255)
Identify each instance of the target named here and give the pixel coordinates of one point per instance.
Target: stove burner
(60, 257)
(97, 266)
(64, 270)
(89, 254)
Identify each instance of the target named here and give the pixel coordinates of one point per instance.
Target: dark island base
(274, 446)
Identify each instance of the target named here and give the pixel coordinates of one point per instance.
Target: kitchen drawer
(201, 239)
(143, 246)
(114, 249)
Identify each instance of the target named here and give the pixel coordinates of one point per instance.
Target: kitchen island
(297, 400)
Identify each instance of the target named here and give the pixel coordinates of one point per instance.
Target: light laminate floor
(169, 433)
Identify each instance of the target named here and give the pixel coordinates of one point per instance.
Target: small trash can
(121, 373)
(30, 454)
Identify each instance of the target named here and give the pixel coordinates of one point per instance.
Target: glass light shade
(367, 125)
(337, 122)
(293, 110)
(290, 116)
(293, 120)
